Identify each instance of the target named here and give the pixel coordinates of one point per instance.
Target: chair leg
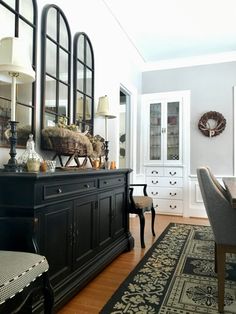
(153, 219)
(142, 225)
(221, 276)
(48, 294)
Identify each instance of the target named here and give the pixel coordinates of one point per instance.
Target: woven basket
(68, 146)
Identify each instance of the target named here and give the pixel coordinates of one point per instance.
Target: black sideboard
(80, 222)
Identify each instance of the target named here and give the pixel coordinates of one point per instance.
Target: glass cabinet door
(155, 147)
(172, 140)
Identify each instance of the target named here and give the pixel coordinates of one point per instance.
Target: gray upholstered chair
(139, 205)
(222, 218)
(23, 276)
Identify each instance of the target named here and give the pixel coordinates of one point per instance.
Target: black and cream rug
(176, 276)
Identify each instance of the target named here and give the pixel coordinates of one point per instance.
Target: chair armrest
(18, 234)
(144, 185)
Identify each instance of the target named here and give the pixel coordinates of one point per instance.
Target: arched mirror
(83, 80)
(56, 67)
(19, 19)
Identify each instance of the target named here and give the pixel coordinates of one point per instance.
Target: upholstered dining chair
(23, 275)
(222, 218)
(139, 205)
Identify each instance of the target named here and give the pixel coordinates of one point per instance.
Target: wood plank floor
(94, 296)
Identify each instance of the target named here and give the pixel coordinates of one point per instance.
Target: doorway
(124, 129)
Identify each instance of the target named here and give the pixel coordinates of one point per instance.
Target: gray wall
(211, 88)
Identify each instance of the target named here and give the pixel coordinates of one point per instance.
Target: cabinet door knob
(172, 173)
(173, 194)
(156, 205)
(87, 186)
(173, 207)
(173, 183)
(154, 182)
(59, 190)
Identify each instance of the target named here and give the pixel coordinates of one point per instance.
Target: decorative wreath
(207, 128)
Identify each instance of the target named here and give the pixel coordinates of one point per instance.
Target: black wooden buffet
(80, 222)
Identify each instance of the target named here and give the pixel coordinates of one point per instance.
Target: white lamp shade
(103, 108)
(80, 109)
(14, 58)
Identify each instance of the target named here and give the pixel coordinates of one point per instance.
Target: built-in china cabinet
(166, 149)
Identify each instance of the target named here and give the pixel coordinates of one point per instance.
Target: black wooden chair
(23, 275)
(139, 205)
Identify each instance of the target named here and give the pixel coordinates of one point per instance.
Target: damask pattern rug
(176, 276)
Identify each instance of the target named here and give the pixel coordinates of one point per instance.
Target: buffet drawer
(107, 182)
(168, 206)
(51, 191)
(165, 181)
(167, 193)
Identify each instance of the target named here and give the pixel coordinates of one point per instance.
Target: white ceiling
(172, 29)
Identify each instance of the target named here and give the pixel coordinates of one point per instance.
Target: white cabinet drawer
(168, 206)
(154, 171)
(167, 193)
(164, 181)
(173, 172)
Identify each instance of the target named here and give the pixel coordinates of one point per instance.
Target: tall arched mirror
(56, 67)
(83, 82)
(19, 19)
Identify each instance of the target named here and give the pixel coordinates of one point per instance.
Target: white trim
(189, 62)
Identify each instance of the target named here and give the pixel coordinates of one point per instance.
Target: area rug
(176, 276)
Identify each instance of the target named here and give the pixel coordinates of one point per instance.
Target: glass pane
(173, 131)
(63, 100)
(5, 114)
(7, 19)
(88, 55)
(63, 34)
(26, 9)
(50, 94)
(51, 57)
(5, 90)
(52, 23)
(24, 94)
(80, 76)
(50, 119)
(26, 32)
(155, 131)
(88, 82)
(63, 66)
(11, 3)
(24, 128)
(80, 48)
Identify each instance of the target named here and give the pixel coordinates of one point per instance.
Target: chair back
(221, 215)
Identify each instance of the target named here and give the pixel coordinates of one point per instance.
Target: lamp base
(12, 165)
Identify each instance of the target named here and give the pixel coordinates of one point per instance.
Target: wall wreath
(212, 123)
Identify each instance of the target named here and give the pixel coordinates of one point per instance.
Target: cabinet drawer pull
(154, 172)
(172, 173)
(87, 186)
(156, 205)
(119, 180)
(154, 182)
(59, 190)
(105, 182)
(154, 193)
(173, 194)
(173, 207)
(173, 183)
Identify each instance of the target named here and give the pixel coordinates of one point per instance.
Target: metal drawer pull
(173, 183)
(156, 205)
(154, 182)
(154, 193)
(173, 194)
(105, 182)
(119, 180)
(87, 186)
(59, 191)
(173, 207)
(154, 172)
(172, 173)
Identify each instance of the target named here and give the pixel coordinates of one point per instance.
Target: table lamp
(103, 111)
(15, 68)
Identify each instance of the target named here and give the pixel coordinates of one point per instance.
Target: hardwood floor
(94, 296)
